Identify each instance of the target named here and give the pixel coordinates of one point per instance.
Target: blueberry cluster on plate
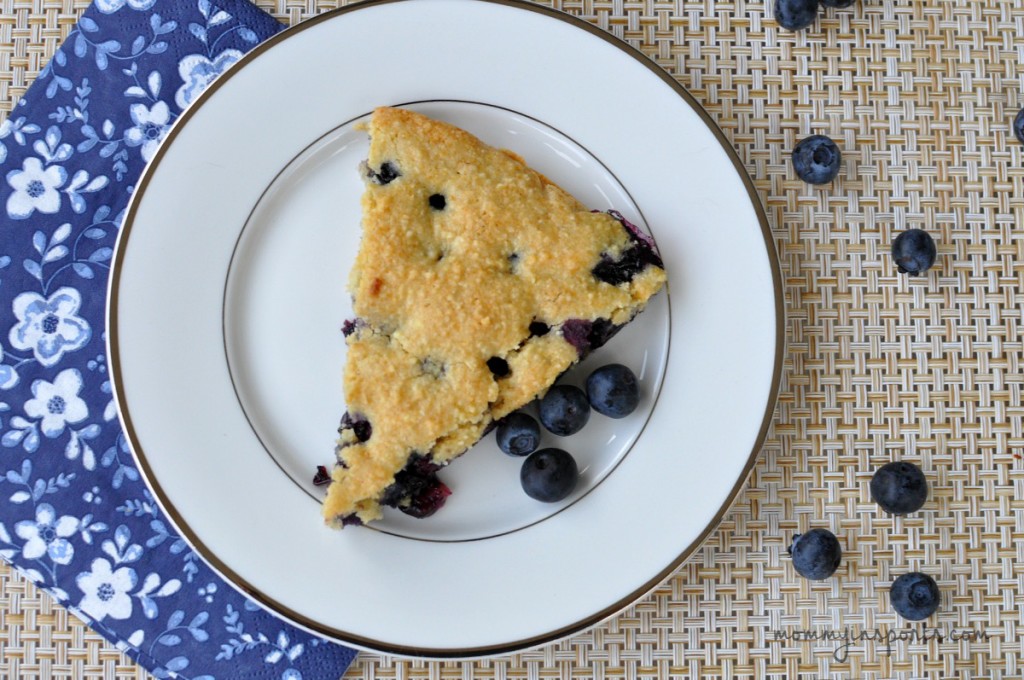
(550, 474)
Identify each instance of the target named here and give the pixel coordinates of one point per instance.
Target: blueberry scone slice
(477, 283)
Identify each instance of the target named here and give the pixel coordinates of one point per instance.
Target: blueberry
(631, 262)
(358, 424)
(914, 596)
(518, 434)
(794, 15)
(564, 410)
(538, 328)
(1018, 126)
(613, 391)
(549, 475)
(388, 172)
(816, 159)
(816, 554)
(913, 251)
(899, 488)
(637, 257)
(837, 3)
(416, 490)
(499, 367)
(586, 336)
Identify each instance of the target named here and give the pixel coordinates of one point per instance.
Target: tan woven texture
(920, 95)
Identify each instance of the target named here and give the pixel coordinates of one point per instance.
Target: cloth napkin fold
(75, 516)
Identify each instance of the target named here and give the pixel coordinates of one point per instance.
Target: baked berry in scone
(477, 283)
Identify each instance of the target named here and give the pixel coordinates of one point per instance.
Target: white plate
(228, 292)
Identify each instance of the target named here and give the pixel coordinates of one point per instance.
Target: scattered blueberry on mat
(794, 15)
(518, 434)
(899, 488)
(613, 391)
(564, 410)
(816, 159)
(914, 596)
(913, 251)
(549, 475)
(816, 554)
(1018, 126)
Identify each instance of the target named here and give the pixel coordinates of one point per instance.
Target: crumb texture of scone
(477, 283)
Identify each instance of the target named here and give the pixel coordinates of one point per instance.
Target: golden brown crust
(441, 291)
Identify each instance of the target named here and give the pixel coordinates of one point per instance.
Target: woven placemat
(920, 96)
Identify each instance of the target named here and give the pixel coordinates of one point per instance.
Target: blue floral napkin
(75, 517)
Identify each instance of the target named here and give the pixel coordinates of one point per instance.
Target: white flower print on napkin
(35, 188)
(106, 591)
(47, 535)
(49, 326)
(197, 71)
(151, 124)
(57, 403)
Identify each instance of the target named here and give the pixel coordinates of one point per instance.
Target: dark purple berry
(638, 256)
(359, 425)
(564, 410)
(899, 487)
(837, 3)
(1018, 126)
(428, 501)
(914, 596)
(518, 434)
(549, 475)
(498, 367)
(613, 391)
(387, 173)
(816, 159)
(795, 15)
(914, 252)
(587, 336)
(322, 476)
(539, 328)
(416, 490)
(816, 554)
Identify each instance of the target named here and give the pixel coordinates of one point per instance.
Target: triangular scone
(477, 283)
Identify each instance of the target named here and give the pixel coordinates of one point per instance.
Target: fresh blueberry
(913, 251)
(899, 488)
(837, 3)
(518, 434)
(613, 391)
(1018, 126)
(914, 596)
(564, 410)
(549, 475)
(816, 554)
(794, 15)
(816, 159)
